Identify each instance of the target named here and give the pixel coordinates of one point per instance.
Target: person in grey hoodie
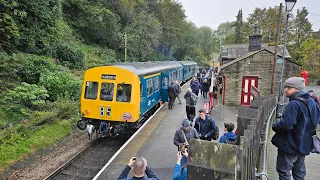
(183, 134)
(190, 107)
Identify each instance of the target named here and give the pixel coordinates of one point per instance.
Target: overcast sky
(213, 12)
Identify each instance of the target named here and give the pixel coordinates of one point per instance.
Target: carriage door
(247, 82)
(164, 87)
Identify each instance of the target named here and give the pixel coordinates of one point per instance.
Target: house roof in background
(250, 54)
(233, 51)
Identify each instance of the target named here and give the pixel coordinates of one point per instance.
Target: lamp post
(289, 6)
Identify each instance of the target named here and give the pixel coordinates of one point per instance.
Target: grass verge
(19, 145)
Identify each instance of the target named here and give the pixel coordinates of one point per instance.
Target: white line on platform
(123, 146)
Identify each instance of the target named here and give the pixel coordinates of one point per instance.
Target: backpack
(193, 99)
(215, 134)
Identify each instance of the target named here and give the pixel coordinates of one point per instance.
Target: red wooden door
(247, 82)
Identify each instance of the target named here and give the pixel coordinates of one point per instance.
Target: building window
(124, 92)
(91, 90)
(156, 84)
(106, 92)
(149, 87)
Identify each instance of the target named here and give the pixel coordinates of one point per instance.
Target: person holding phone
(183, 134)
(140, 170)
(180, 170)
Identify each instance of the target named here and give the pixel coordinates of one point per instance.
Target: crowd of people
(292, 132)
(204, 128)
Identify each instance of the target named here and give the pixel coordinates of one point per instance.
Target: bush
(24, 98)
(70, 56)
(33, 66)
(61, 84)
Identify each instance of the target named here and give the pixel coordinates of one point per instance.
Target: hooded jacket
(293, 131)
(205, 127)
(228, 136)
(187, 96)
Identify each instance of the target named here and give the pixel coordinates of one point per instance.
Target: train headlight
(87, 112)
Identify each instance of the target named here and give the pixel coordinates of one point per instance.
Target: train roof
(148, 68)
(188, 63)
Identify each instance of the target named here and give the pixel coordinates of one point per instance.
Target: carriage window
(106, 93)
(149, 87)
(91, 90)
(156, 84)
(123, 92)
(164, 82)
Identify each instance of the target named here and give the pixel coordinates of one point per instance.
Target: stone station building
(255, 68)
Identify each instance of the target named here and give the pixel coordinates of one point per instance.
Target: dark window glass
(156, 84)
(149, 87)
(91, 90)
(106, 93)
(124, 92)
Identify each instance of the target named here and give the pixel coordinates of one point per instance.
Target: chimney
(255, 40)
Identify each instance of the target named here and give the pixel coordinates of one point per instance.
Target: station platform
(154, 141)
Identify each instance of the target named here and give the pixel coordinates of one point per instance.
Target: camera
(181, 148)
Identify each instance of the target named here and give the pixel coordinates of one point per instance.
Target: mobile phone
(181, 148)
(134, 159)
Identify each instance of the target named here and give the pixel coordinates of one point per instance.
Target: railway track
(87, 163)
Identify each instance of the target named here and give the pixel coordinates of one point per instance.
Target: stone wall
(211, 160)
(259, 64)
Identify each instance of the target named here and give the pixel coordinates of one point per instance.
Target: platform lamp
(289, 6)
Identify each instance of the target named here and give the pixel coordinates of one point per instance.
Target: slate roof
(234, 51)
(250, 54)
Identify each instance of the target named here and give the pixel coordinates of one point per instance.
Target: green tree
(310, 53)
(303, 28)
(143, 34)
(94, 21)
(225, 32)
(238, 27)
(187, 49)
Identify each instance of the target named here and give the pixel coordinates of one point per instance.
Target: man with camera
(205, 126)
(183, 135)
(140, 170)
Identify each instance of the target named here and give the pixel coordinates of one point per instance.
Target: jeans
(288, 162)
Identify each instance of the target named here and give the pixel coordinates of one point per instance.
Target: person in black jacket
(172, 94)
(205, 86)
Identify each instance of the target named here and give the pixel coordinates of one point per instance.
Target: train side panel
(110, 93)
(150, 92)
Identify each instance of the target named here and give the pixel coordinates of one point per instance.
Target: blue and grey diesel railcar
(118, 98)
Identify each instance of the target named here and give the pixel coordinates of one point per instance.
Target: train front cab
(109, 94)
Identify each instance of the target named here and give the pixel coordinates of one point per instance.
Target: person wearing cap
(293, 136)
(140, 170)
(229, 137)
(184, 134)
